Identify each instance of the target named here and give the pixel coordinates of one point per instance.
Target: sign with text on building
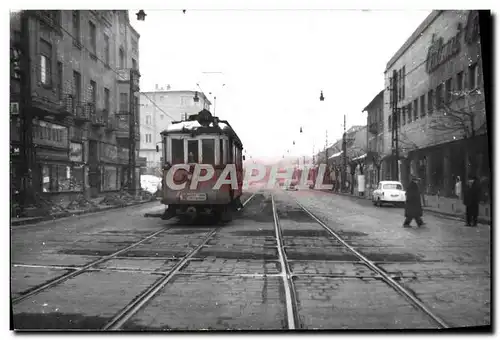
(440, 52)
(76, 152)
(49, 134)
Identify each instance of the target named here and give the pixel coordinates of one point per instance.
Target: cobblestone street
(273, 267)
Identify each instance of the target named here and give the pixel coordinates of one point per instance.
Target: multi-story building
(80, 66)
(158, 109)
(375, 139)
(440, 102)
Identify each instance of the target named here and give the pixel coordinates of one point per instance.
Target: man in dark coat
(472, 194)
(413, 206)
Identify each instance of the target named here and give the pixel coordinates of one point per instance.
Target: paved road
(243, 276)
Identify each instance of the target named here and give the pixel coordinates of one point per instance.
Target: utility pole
(28, 197)
(326, 148)
(395, 125)
(134, 81)
(344, 155)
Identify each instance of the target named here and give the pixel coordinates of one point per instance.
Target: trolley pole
(28, 197)
(395, 126)
(131, 122)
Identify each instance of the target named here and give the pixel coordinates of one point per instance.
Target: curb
(56, 216)
(480, 220)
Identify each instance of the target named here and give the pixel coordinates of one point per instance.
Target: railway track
(90, 266)
(287, 275)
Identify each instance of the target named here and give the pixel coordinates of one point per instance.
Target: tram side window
(221, 151)
(227, 152)
(177, 151)
(193, 156)
(208, 151)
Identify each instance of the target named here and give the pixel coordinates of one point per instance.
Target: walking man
(413, 207)
(472, 194)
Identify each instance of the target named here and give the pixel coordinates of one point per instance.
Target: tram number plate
(194, 197)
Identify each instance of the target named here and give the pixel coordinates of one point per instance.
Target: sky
(274, 65)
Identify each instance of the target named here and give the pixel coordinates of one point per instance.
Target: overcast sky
(274, 65)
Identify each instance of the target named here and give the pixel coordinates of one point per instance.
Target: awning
(335, 155)
(360, 157)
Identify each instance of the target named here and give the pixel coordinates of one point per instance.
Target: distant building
(442, 119)
(158, 109)
(375, 139)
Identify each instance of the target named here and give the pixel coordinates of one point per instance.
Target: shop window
(460, 81)
(177, 151)
(62, 178)
(109, 178)
(473, 77)
(430, 101)
(415, 110)
(193, 156)
(208, 151)
(422, 105)
(447, 91)
(409, 113)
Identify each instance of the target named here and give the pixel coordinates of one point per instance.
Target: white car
(389, 192)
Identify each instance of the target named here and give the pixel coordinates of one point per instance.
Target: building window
(422, 105)
(93, 92)
(185, 101)
(76, 26)
(62, 178)
(134, 64)
(430, 101)
(460, 81)
(148, 138)
(107, 102)
(391, 91)
(124, 102)
(409, 113)
(106, 50)
(473, 77)
(447, 91)
(60, 80)
(122, 58)
(403, 80)
(77, 86)
(148, 120)
(415, 109)
(193, 155)
(45, 62)
(403, 117)
(439, 96)
(389, 123)
(93, 37)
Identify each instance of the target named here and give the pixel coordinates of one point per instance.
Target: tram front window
(177, 151)
(193, 156)
(208, 151)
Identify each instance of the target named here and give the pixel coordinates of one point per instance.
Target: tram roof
(194, 127)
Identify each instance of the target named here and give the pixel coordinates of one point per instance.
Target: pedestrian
(413, 206)
(458, 188)
(472, 194)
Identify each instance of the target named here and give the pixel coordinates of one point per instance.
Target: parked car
(389, 192)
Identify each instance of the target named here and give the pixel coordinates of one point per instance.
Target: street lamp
(141, 16)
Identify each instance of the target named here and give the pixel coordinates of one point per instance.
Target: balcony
(97, 120)
(373, 128)
(82, 113)
(43, 106)
(111, 124)
(124, 77)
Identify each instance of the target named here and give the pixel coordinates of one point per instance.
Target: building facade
(375, 140)
(440, 104)
(158, 109)
(80, 72)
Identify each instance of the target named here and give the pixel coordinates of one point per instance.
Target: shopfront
(110, 168)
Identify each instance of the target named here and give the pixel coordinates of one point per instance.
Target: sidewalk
(442, 206)
(15, 221)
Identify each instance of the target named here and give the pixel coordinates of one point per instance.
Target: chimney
(168, 87)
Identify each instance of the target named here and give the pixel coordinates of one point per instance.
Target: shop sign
(440, 52)
(76, 152)
(49, 134)
(51, 155)
(109, 153)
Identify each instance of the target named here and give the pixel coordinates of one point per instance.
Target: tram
(208, 140)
